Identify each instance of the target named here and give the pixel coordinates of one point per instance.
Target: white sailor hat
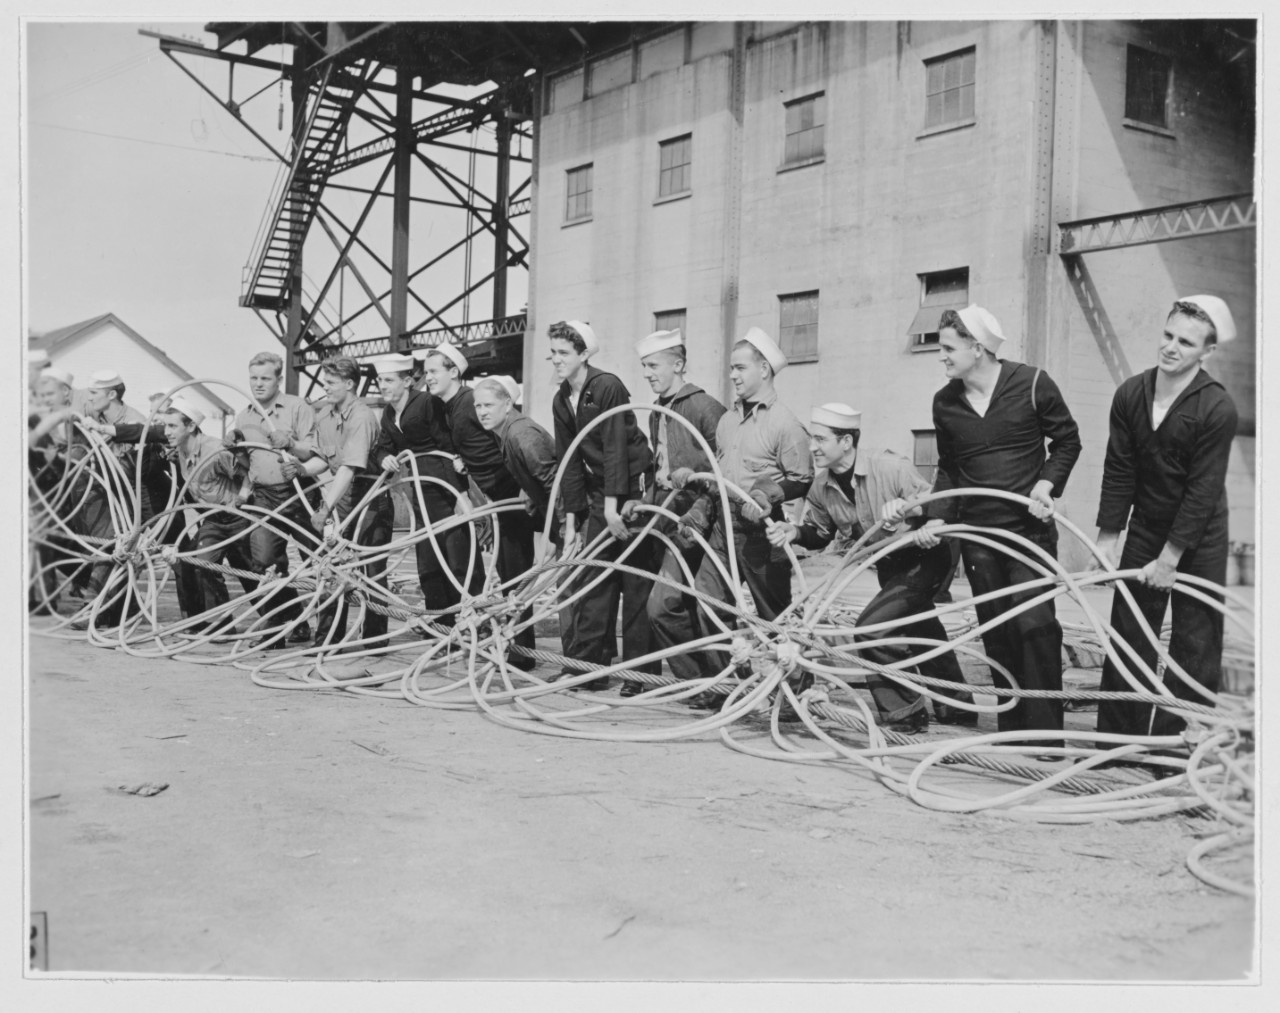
(984, 327)
(37, 357)
(57, 373)
(511, 386)
(1217, 311)
(659, 341)
(385, 364)
(105, 378)
(836, 416)
(454, 354)
(587, 334)
(182, 403)
(767, 347)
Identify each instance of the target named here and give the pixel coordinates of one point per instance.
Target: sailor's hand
(780, 533)
(925, 537)
(1042, 500)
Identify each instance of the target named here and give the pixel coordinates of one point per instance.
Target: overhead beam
(1158, 225)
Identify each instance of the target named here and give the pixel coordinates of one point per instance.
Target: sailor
(853, 489)
(1165, 478)
(992, 420)
(414, 421)
(763, 449)
(676, 451)
(612, 464)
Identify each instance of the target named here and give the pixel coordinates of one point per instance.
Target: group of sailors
(1002, 427)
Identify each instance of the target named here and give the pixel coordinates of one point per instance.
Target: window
(798, 326)
(939, 291)
(674, 166)
(669, 320)
(1146, 87)
(924, 454)
(948, 88)
(577, 205)
(805, 126)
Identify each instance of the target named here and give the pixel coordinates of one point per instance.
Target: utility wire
(97, 77)
(158, 144)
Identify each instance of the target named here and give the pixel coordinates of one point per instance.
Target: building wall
(1123, 167)
(638, 254)
(889, 201)
(108, 347)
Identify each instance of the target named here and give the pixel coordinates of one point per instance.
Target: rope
(461, 658)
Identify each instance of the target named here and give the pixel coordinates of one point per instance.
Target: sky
(142, 196)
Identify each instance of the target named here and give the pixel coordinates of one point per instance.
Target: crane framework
(397, 217)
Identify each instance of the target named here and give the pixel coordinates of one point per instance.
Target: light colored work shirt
(288, 413)
(769, 443)
(878, 477)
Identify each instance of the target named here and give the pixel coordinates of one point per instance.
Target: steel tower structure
(410, 162)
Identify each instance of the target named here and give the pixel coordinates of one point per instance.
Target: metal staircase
(296, 194)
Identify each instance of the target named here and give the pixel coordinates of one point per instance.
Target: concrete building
(839, 183)
(107, 342)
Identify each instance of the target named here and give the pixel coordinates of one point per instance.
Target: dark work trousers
(594, 629)
(374, 532)
(1029, 645)
(269, 544)
(438, 591)
(96, 521)
(765, 570)
(909, 580)
(214, 529)
(514, 549)
(1195, 642)
(673, 613)
(185, 582)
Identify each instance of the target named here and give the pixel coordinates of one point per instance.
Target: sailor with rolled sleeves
(611, 465)
(763, 449)
(992, 420)
(346, 438)
(854, 488)
(663, 358)
(280, 420)
(1165, 477)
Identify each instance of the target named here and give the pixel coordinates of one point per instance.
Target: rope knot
(787, 653)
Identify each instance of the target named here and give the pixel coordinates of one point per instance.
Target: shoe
(945, 714)
(913, 724)
(42, 609)
(632, 687)
(593, 686)
(282, 644)
(706, 701)
(300, 634)
(519, 661)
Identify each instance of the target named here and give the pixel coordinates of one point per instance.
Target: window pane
(967, 63)
(819, 109)
(933, 78)
(933, 111)
(789, 153)
(819, 136)
(951, 76)
(950, 106)
(966, 102)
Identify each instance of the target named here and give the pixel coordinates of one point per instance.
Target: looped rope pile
(469, 664)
